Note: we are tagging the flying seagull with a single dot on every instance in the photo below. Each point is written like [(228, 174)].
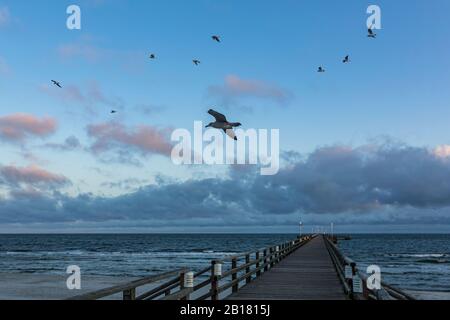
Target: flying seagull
[(321, 70), (346, 59), (371, 33), (222, 123), (152, 56), (113, 111), (216, 38), (196, 62), (56, 83)]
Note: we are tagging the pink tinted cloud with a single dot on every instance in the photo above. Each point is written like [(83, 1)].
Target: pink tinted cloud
[(20, 126), (145, 139), (234, 87), (30, 176)]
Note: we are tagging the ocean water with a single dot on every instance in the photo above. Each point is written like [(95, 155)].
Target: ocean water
[(417, 262)]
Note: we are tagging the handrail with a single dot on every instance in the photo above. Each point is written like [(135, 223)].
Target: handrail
[(126, 288), (264, 259), (340, 261)]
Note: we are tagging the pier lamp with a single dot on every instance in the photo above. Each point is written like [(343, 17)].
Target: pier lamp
[(301, 228)]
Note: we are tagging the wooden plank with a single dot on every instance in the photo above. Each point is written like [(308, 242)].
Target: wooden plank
[(307, 274)]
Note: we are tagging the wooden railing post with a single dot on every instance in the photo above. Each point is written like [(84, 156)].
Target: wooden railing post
[(235, 287), (258, 273), (214, 282), (182, 279), (271, 257), (248, 279), (266, 267), (129, 294)]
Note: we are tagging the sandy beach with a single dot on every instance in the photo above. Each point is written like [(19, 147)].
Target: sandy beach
[(51, 287)]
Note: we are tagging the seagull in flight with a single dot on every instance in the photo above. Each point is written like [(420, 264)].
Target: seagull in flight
[(152, 56), (113, 111), (321, 70), (216, 38), (196, 62), (371, 33), (346, 59), (56, 83), (222, 123)]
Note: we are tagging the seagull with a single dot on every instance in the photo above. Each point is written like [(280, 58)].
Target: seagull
[(56, 83), (152, 56), (196, 62), (321, 70), (113, 111), (216, 38), (371, 33), (346, 59), (222, 123)]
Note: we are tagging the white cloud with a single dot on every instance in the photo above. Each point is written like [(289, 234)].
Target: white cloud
[(442, 151)]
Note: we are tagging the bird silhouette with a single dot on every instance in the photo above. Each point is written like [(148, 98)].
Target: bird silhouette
[(346, 59), (222, 123), (371, 33), (321, 69), (196, 62), (216, 38), (113, 111), (152, 56), (56, 83)]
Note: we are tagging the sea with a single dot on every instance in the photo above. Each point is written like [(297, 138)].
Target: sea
[(415, 262)]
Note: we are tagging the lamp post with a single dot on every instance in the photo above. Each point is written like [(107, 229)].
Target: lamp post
[(301, 229)]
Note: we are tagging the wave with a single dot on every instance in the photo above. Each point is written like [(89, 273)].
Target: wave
[(433, 261), (418, 255)]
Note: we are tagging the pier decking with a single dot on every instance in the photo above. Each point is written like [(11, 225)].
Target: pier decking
[(308, 274)]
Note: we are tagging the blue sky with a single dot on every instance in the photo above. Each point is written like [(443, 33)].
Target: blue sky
[(389, 103)]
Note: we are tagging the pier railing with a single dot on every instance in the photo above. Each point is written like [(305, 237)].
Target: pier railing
[(348, 272), (222, 276)]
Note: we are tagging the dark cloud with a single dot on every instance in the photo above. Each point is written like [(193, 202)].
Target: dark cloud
[(372, 184)]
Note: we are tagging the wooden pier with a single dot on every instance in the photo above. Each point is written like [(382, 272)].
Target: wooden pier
[(307, 268), (308, 274)]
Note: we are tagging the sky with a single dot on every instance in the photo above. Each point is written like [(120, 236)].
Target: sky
[(365, 145)]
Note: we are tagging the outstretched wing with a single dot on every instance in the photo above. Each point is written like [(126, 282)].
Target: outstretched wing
[(219, 117), (230, 133)]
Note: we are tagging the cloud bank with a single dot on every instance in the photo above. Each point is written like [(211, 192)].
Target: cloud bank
[(373, 184)]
